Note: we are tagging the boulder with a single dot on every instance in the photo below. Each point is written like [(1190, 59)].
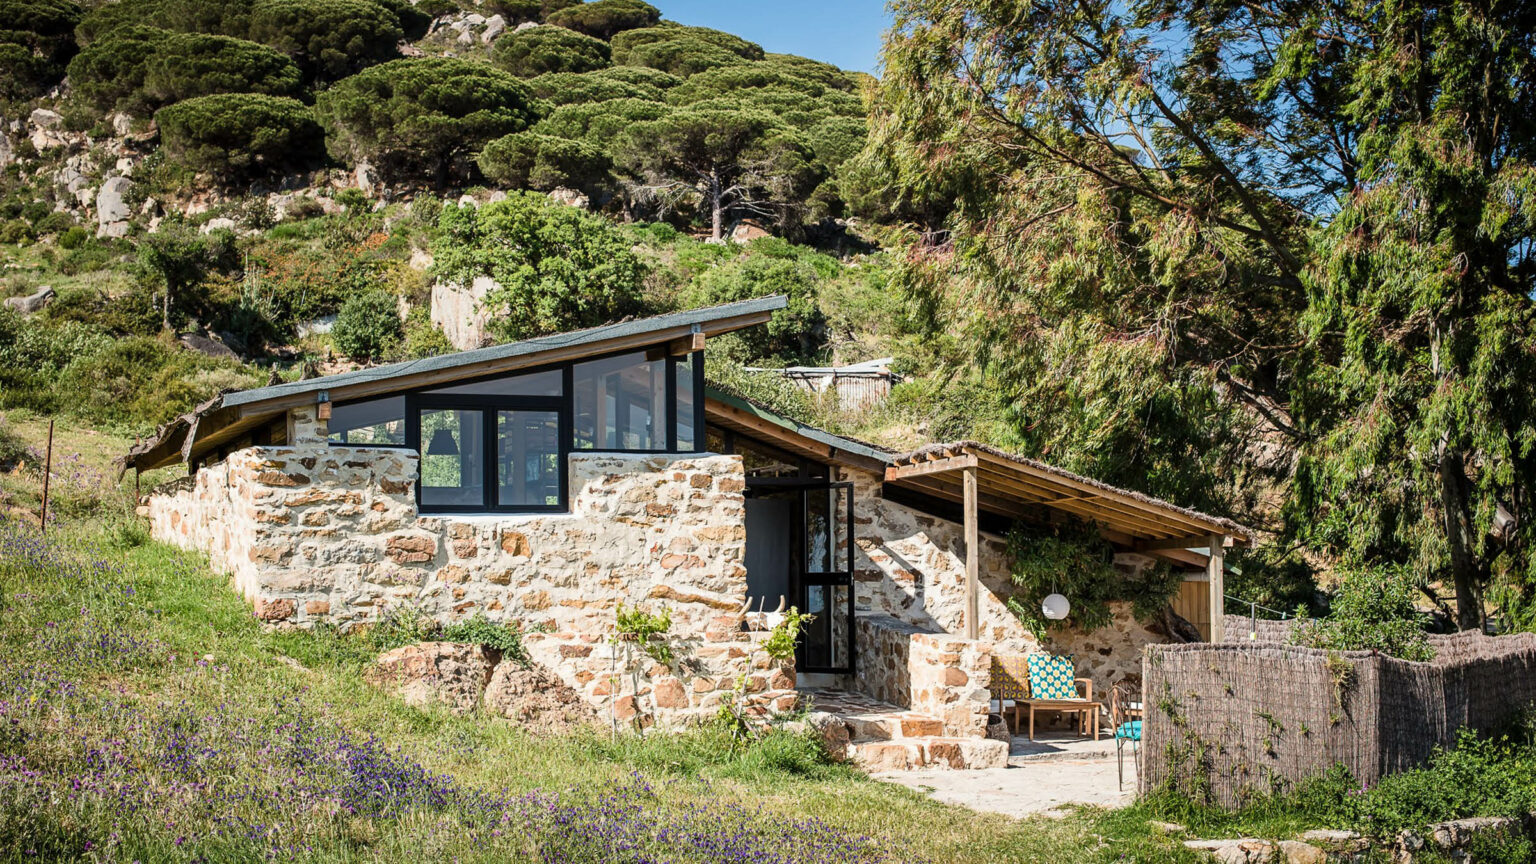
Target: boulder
[(206, 346), (367, 179), (220, 223), (832, 731), (569, 197), (535, 698), (114, 229), (122, 124), (434, 673), (1247, 850), (494, 26), (33, 302), (7, 149), (47, 129), (111, 208)]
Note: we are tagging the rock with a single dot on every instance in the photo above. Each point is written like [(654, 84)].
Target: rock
[(367, 179), (833, 733), (569, 197), (466, 37), (526, 25), (747, 230), (207, 347), (110, 206), (272, 611), (124, 166), (33, 302), (7, 149), (47, 127), (494, 26), (150, 207), (535, 698), (1297, 852), (42, 118), (428, 673), (1166, 827), (981, 753), (1450, 839), (468, 201), (114, 229), (219, 223), (474, 19), (122, 124), (1245, 851)]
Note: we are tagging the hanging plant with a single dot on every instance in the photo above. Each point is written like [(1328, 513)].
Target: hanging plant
[(1072, 559)]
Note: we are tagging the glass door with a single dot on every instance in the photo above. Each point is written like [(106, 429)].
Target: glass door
[(826, 581)]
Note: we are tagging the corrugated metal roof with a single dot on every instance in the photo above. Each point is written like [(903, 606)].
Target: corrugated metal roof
[(511, 349)]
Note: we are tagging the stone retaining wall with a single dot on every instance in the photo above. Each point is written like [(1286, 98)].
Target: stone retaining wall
[(937, 674)]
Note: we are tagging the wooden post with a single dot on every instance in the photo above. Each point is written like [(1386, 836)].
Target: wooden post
[(972, 556), (1215, 584), (47, 473)]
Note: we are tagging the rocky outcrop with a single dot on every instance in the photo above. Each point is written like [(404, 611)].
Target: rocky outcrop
[(431, 673), (536, 699), (459, 311), (33, 302), (112, 210)]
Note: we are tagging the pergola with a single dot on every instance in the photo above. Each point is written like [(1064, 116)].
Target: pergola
[(980, 477)]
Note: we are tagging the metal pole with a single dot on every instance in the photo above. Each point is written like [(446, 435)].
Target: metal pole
[(47, 473)]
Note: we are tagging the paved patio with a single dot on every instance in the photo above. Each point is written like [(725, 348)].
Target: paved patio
[(1042, 776)]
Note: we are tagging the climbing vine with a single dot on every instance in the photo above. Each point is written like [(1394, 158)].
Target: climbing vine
[(1073, 560)]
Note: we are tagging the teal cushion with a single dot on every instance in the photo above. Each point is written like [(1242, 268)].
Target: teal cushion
[(1130, 729), (1051, 677)]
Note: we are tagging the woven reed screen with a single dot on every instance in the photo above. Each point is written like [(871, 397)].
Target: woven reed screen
[(1226, 722)]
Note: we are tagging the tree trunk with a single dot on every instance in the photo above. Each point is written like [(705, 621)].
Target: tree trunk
[(165, 308), (717, 208), (1465, 571)]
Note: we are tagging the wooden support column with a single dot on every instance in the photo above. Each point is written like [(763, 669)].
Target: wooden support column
[(1215, 584), (972, 556)]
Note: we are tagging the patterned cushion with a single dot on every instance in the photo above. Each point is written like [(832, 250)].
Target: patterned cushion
[(1051, 677), (1010, 677)]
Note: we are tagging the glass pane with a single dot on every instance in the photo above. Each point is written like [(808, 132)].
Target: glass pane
[(826, 635), (452, 458), (528, 469), (620, 403), (546, 383), (378, 421), (685, 405), (818, 531), (837, 626), (842, 499)]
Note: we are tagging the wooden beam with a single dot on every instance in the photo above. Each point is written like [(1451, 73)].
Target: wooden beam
[(937, 466), (972, 557), (1173, 543), (686, 345), (1216, 570)]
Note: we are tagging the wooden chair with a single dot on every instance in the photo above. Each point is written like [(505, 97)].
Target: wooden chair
[(1125, 713), (1011, 680)]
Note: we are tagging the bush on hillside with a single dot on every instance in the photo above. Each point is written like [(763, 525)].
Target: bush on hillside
[(682, 51), (1372, 610), (416, 117), (603, 19), (569, 88), (188, 65), (559, 268), (528, 160), (518, 11), (231, 135), (368, 326), (538, 50), (793, 333), (329, 39), (36, 40), (109, 73), (598, 123)]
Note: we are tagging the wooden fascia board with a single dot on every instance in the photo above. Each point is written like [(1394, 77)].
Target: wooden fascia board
[(935, 466)]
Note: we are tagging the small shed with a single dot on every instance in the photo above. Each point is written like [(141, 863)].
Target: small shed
[(856, 387)]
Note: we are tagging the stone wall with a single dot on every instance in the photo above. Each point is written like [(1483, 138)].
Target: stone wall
[(312, 533), (937, 674)]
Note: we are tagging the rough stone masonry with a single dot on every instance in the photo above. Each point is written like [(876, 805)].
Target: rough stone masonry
[(317, 533)]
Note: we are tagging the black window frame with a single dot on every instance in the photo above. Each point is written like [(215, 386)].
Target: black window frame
[(420, 398)]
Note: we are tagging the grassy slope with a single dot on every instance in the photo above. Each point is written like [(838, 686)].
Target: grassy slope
[(152, 708)]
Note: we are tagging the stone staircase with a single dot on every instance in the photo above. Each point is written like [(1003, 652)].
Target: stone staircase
[(884, 737)]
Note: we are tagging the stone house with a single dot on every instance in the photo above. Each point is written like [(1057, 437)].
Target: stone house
[(549, 481)]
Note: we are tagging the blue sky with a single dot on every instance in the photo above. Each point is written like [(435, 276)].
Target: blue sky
[(844, 32)]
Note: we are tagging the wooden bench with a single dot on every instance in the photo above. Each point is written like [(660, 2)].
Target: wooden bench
[(1010, 681)]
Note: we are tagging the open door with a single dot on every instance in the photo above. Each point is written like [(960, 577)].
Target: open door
[(826, 579)]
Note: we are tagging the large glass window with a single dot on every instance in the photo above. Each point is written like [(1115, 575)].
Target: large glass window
[(528, 469), (620, 403), (452, 448), (687, 436), (377, 422)]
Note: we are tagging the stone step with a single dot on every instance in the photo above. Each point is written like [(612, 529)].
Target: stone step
[(906, 754), (891, 727)]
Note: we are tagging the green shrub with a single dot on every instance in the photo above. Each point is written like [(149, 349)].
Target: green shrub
[(109, 73), (603, 19), (682, 51), (238, 134), (16, 231), (74, 238), (414, 117), (1371, 610), (796, 332), (422, 337), (559, 268), (36, 40), (329, 39), (479, 630), (530, 161), (187, 65), (368, 326), (54, 222), (538, 50)]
